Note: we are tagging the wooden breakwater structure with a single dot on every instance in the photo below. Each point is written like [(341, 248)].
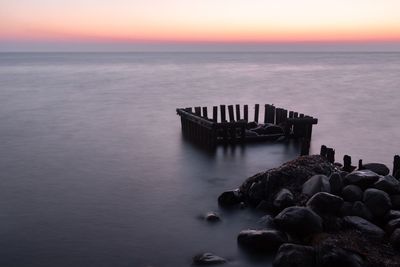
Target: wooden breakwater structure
[(329, 154), (234, 126)]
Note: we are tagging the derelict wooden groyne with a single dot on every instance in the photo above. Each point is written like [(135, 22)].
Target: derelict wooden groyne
[(231, 124)]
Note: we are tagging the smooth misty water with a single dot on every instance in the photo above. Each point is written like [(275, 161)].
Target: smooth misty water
[(94, 171)]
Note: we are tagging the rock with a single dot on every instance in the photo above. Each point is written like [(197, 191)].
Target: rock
[(378, 168), (229, 198), (377, 201), (261, 240), (391, 215), (299, 221), (212, 217), (291, 255), (352, 193), (347, 209), (267, 221), (317, 183), (257, 192), (360, 210), (323, 203), (263, 206), (392, 225), (250, 133), (395, 238), (336, 183), (273, 129), (362, 178), (331, 256), (283, 199), (389, 184), (395, 199), (252, 125), (208, 259), (364, 226)]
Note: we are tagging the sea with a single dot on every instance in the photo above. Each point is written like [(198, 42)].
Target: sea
[(94, 170)]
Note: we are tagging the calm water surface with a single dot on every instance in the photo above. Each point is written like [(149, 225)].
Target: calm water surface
[(94, 171)]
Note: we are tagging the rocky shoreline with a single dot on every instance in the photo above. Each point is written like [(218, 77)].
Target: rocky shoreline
[(318, 214)]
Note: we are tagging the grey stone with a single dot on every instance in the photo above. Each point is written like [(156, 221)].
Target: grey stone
[(352, 193), (364, 226), (362, 178), (360, 210), (212, 217), (291, 255), (317, 183), (261, 240), (229, 198), (336, 183), (391, 215), (299, 221), (323, 202), (283, 199), (378, 168), (388, 183), (392, 225), (377, 201), (208, 259)]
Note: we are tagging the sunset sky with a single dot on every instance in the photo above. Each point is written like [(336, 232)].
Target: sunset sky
[(134, 23)]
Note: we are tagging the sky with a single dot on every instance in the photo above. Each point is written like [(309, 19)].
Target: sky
[(199, 24)]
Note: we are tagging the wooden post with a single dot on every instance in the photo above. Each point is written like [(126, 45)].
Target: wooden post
[(278, 116), (256, 111), (266, 106), (360, 164), (223, 116), (396, 166), (231, 115), (215, 113), (284, 115), (197, 111), (271, 114), (323, 152), (330, 155), (205, 113), (305, 147), (237, 112), (188, 110), (246, 113), (291, 114), (347, 163)]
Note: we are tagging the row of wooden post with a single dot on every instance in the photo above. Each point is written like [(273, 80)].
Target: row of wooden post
[(329, 153)]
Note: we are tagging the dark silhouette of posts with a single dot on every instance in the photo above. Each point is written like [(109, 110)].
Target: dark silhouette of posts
[(205, 113), (347, 163), (231, 115), (360, 164), (305, 147), (396, 166), (256, 112), (246, 112), (323, 152), (330, 155), (215, 114), (197, 111), (237, 112), (223, 115)]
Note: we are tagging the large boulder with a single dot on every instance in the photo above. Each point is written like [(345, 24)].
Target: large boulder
[(365, 227), (230, 198), (352, 193), (391, 215), (208, 259), (261, 240), (360, 210), (377, 201), (389, 184), (378, 168), (392, 225), (362, 178), (395, 238), (317, 183), (323, 203), (336, 183), (347, 209), (291, 255), (332, 256), (299, 221), (283, 199)]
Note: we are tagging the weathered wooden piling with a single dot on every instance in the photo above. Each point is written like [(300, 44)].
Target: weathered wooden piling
[(256, 112), (215, 114), (231, 115), (347, 163), (396, 166), (330, 155), (360, 164), (246, 113), (197, 111), (223, 116), (205, 113), (305, 147), (237, 112)]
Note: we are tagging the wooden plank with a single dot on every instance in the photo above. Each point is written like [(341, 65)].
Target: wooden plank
[(205, 113), (271, 114), (215, 114), (266, 113), (197, 111), (246, 113), (223, 115), (231, 114), (256, 112), (237, 112), (396, 166)]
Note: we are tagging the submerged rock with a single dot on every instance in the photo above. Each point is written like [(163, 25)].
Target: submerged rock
[(364, 226), (377, 201), (212, 217), (317, 183), (378, 168), (208, 259), (261, 240), (291, 255), (299, 221), (323, 203)]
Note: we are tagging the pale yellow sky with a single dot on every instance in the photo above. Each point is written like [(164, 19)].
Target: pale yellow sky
[(200, 20)]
